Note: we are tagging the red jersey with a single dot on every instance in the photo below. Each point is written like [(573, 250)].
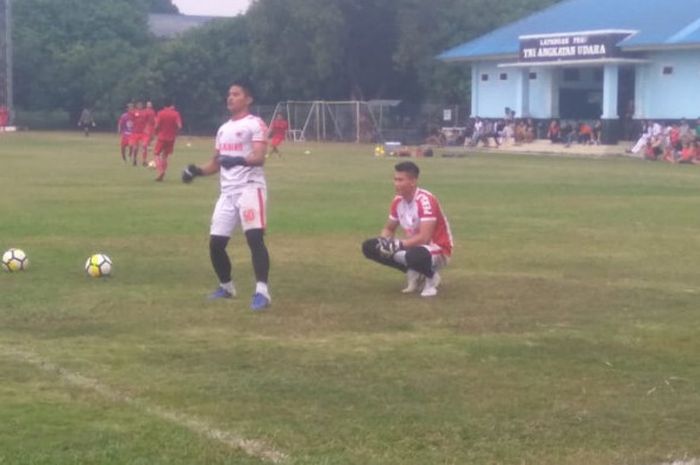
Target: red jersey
[(150, 119), (423, 207), (140, 118), (168, 123), (278, 129)]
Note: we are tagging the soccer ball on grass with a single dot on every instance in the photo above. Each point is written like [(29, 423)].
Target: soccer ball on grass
[(98, 265), (15, 260)]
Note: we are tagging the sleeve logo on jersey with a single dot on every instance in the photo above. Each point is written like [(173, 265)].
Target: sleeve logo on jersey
[(425, 203)]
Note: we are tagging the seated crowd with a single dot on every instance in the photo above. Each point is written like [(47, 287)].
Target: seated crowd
[(671, 142), (581, 132), (520, 131), (499, 131), (674, 142)]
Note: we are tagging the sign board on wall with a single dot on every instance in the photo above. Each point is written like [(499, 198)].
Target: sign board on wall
[(571, 46)]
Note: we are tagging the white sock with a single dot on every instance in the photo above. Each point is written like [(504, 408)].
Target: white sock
[(261, 288), (228, 287)]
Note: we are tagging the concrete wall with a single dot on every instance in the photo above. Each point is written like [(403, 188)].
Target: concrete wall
[(668, 96), (490, 97), (657, 95)]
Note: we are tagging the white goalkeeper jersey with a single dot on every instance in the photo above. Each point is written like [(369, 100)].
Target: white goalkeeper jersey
[(424, 206), (235, 139)]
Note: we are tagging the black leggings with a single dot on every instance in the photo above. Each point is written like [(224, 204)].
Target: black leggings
[(260, 257), (417, 258)]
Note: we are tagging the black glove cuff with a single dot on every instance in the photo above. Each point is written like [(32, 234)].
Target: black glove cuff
[(195, 170)]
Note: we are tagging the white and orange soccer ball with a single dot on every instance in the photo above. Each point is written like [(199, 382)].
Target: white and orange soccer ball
[(15, 260), (98, 265)]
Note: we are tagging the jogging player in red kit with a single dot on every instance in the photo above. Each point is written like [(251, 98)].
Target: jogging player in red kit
[(149, 131), (278, 132), (168, 124), (138, 137), (124, 127)]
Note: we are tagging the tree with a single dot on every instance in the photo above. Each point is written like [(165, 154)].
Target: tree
[(69, 53), (296, 47), (162, 6)]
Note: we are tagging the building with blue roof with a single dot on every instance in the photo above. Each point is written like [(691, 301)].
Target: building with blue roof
[(617, 60)]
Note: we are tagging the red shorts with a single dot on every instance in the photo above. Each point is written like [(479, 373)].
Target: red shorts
[(277, 140), (125, 140), (164, 147), (138, 138)]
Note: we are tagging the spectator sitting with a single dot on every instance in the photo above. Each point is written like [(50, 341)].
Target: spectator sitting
[(689, 154), (674, 140), (585, 133), (489, 132), (649, 130), (436, 138), (508, 133), (687, 134), (654, 148), (529, 130), (554, 132), (451, 137), (477, 130), (568, 135), (520, 132), (597, 131)]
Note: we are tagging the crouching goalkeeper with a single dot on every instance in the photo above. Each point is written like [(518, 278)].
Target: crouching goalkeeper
[(427, 242)]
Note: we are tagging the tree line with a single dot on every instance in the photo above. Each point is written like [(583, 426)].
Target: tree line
[(70, 54)]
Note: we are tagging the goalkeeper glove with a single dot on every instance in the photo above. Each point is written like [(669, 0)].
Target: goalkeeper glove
[(189, 173), (227, 162), (388, 246)]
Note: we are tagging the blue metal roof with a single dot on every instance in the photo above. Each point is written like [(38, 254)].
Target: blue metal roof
[(660, 23)]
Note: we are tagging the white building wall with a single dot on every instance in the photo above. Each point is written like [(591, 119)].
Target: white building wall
[(669, 96), (495, 93), (657, 95)]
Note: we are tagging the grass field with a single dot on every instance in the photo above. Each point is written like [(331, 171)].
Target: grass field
[(566, 331)]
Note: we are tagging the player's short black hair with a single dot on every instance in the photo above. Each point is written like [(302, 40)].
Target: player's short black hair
[(246, 85), (407, 167)]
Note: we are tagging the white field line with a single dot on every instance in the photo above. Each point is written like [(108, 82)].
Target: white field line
[(252, 447), (683, 462)]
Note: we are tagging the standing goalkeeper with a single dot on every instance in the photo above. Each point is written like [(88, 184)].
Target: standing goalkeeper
[(241, 144), (427, 242)]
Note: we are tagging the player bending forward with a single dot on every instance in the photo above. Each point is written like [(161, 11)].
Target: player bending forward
[(241, 144), (427, 243)]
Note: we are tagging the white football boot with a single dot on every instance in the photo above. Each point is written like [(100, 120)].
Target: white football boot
[(431, 285)]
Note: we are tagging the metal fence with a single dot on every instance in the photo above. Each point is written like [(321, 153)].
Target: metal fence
[(364, 122)]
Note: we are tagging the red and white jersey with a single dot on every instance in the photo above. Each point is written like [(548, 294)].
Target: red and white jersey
[(423, 207), (235, 138)]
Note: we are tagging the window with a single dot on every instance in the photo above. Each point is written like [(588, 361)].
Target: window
[(503, 76), (533, 76), (484, 77), (572, 75), (667, 70)]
